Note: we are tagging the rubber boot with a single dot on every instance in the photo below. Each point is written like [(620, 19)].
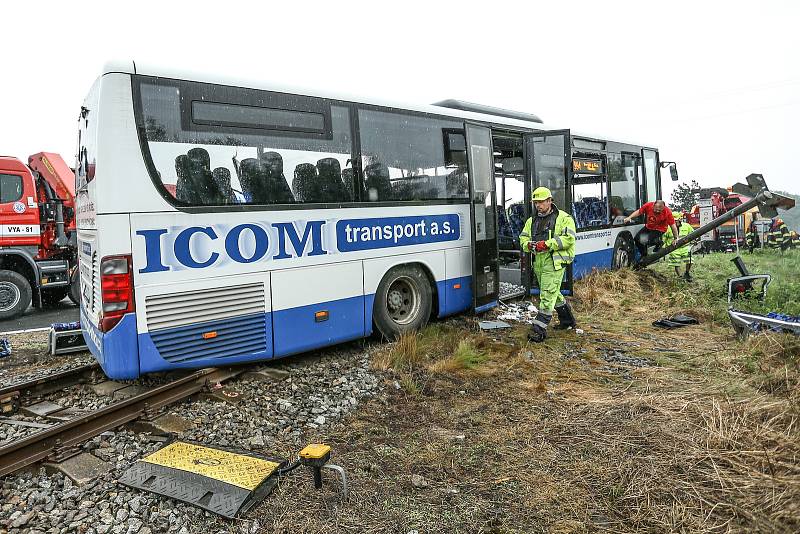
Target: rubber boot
[(538, 331), (565, 317)]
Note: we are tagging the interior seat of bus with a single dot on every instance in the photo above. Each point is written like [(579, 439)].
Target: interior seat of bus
[(331, 186), (589, 211), (195, 182), (263, 181), (222, 177), (377, 183)]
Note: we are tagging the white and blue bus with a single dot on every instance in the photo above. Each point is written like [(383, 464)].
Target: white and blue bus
[(224, 221)]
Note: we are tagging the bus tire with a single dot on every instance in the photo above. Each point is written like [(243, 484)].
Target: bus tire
[(75, 288), (51, 297), (623, 253), (15, 294), (403, 301)]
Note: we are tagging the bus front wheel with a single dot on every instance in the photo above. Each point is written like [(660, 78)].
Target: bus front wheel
[(623, 253), (403, 301)]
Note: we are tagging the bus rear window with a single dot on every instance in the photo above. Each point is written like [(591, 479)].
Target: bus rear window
[(215, 145)]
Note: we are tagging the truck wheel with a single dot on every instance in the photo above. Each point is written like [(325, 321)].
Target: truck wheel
[(623, 253), (75, 288), (15, 294), (403, 301), (51, 297)]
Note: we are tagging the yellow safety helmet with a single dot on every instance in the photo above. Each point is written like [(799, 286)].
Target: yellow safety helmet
[(541, 193)]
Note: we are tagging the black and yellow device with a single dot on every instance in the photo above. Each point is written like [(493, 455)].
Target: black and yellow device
[(223, 481), (315, 456)]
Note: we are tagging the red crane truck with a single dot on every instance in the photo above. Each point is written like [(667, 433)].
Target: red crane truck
[(38, 252)]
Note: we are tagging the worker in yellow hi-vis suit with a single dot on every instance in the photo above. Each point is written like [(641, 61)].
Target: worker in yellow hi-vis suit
[(550, 236), (682, 255)]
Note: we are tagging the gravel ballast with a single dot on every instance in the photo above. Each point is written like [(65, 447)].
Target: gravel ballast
[(274, 416)]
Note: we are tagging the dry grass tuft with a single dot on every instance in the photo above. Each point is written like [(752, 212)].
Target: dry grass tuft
[(401, 356), (465, 356)]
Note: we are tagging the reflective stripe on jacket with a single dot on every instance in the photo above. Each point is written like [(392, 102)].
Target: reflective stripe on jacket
[(562, 241)]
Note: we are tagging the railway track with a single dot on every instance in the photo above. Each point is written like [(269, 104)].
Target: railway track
[(12, 397), (63, 440)]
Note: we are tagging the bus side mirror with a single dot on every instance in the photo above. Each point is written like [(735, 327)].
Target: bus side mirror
[(673, 169)]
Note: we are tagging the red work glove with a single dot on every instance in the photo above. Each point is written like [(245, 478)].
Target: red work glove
[(541, 246)]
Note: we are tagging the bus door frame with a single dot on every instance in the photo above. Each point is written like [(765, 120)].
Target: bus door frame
[(531, 183), (483, 230)]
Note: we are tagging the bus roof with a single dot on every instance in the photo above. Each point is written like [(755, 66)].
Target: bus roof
[(131, 67)]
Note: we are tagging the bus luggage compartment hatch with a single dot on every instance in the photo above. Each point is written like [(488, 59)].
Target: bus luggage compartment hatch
[(223, 481)]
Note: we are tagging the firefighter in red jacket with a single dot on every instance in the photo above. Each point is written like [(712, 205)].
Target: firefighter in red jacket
[(658, 218)]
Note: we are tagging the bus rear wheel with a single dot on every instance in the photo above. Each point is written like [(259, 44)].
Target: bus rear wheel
[(403, 301), (623, 253), (15, 294)]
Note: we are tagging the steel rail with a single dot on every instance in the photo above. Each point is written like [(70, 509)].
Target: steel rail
[(48, 383), (58, 440)]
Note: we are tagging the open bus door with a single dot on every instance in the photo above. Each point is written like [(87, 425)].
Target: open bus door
[(483, 211), (547, 164)]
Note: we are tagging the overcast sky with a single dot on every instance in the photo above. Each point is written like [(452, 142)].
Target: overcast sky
[(714, 85)]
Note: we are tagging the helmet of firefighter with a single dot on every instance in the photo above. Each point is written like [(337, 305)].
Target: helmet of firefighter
[(541, 193)]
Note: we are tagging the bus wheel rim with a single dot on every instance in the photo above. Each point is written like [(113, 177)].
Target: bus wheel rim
[(403, 300), (9, 296), (622, 257)]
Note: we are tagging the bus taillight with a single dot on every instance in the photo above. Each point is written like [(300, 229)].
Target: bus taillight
[(116, 282)]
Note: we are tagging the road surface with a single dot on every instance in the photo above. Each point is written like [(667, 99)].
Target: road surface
[(64, 312)]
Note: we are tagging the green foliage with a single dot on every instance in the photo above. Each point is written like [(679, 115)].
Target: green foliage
[(683, 196)]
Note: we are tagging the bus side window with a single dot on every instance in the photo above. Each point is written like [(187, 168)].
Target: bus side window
[(622, 178), (407, 157), (589, 205), (651, 175)]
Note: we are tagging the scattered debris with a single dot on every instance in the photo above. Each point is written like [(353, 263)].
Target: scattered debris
[(493, 325), (619, 357), (66, 337), (742, 285), (5, 347), (676, 321), (508, 290), (745, 322), (520, 312)]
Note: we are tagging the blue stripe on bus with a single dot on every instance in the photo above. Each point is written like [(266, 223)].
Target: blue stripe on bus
[(584, 263), (454, 300), (151, 359), (296, 330)]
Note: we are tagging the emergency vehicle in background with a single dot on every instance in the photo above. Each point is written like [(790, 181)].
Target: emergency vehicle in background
[(38, 255), (713, 203)]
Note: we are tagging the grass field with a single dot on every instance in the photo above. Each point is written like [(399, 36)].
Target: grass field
[(711, 272), (624, 428)]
